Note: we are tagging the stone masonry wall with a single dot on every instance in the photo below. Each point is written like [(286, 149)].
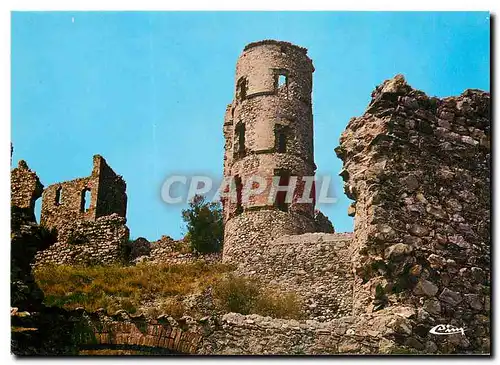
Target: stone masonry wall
[(235, 334), (268, 131), (111, 196), (316, 266), (259, 228), (88, 242), (418, 169), (63, 203), (26, 187), (378, 333)]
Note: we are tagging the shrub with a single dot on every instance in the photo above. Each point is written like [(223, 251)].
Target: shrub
[(236, 294), (279, 305), (204, 225), (248, 296)]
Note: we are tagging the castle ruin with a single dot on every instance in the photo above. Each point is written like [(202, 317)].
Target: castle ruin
[(268, 131), (66, 202), (87, 214), (418, 171)]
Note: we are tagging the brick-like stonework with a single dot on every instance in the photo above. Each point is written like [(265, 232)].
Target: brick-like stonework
[(418, 169)]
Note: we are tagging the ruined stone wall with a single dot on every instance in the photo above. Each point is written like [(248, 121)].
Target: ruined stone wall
[(63, 203), (379, 333), (26, 188), (235, 334), (418, 169), (268, 130), (168, 251), (316, 266), (323, 224), (88, 243), (93, 235), (111, 196)]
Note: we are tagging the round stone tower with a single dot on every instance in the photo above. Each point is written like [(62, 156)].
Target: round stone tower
[(268, 132)]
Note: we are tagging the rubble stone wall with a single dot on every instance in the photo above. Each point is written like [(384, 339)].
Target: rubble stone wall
[(63, 203), (237, 334), (377, 333), (26, 187), (316, 266), (167, 251), (88, 243), (418, 169), (259, 228), (268, 130)]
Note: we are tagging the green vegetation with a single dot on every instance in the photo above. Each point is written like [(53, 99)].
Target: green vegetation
[(248, 296), (204, 225), (161, 289)]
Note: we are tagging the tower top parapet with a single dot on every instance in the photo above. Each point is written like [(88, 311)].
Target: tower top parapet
[(274, 42)]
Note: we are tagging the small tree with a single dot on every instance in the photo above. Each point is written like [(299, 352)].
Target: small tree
[(204, 225)]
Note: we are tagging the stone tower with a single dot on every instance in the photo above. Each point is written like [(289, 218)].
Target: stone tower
[(268, 132)]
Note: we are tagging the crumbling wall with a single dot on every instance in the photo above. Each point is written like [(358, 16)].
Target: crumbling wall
[(63, 203), (102, 241), (111, 196), (377, 333), (323, 224), (26, 188), (418, 169), (93, 235), (166, 250)]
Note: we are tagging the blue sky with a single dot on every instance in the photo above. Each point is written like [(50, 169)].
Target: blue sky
[(148, 90)]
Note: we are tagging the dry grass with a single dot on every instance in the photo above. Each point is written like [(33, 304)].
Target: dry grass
[(121, 287), (135, 288), (249, 296)]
